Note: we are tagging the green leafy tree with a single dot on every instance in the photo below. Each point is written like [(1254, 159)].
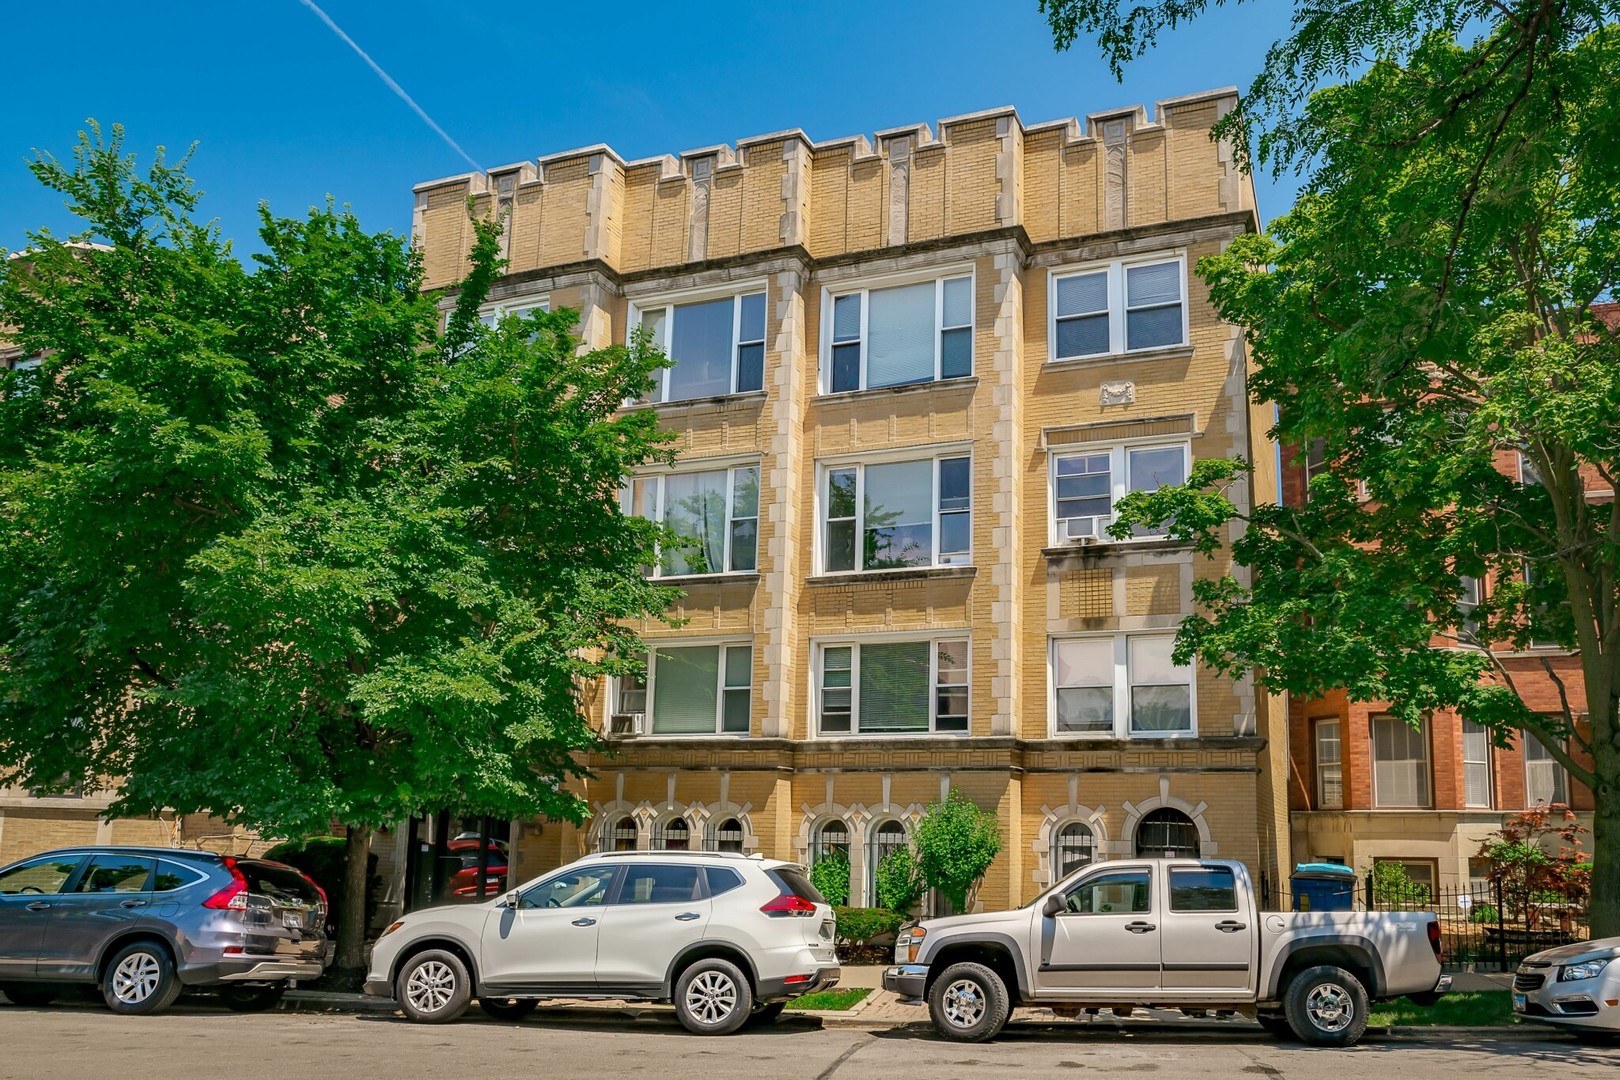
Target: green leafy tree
[(1536, 858), (278, 548), (830, 876), (1424, 314), (956, 843), (900, 881), (1393, 887)]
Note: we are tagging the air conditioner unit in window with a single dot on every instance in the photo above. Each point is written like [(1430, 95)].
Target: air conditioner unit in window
[(625, 725), (1079, 530)]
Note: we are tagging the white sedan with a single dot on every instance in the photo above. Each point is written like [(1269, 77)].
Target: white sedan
[(1573, 986)]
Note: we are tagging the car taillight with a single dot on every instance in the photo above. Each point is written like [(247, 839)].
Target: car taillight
[(324, 904), (232, 897), (789, 906), (1434, 939)]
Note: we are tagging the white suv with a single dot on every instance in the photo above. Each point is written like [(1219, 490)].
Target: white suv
[(727, 938)]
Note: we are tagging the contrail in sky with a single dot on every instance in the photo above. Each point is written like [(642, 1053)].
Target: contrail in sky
[(392, 85)]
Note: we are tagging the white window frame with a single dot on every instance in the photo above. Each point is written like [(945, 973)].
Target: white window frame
[(1337, 764), (1118, 481), (1425, 738), (1122, 690), (1490, 779), (862, 287), (667, 302), (650, 680), (859, 464), (491, 314), (818, 649), (1549, 764), (730, 468), (1117, 311)]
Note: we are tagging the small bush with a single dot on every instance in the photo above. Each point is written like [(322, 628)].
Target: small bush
[(858, 925), (956, 843), (1483, 913), (899, 881), (1393, 887), (830, 876)]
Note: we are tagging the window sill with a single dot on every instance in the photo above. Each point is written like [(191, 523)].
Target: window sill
[(1134, 737), (1169, 352), (912, 573), (658, 737), (967, 385), (1115, 547), (721, 403), (686, 580), (887, 736)]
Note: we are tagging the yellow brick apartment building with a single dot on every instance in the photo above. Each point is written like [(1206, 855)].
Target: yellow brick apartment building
[(912, 375)]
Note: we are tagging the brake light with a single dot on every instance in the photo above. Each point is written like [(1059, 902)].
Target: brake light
[(325, 906), (789, 906), (1434, 940), (232, 897)]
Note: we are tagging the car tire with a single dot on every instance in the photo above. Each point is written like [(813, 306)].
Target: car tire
[(512, 1009), (251, 999), (1326, 1006), (139, 979), (29, 995), (767, 1014), (968, 1003), (433, 987), (712, 997), (1276, 1026)]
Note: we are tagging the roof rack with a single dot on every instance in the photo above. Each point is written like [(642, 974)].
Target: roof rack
[(667, 854)]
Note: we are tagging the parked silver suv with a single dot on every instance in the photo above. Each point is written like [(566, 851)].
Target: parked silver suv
[(143, 922), (728, 939)]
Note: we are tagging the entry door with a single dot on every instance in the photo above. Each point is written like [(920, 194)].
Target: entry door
[(1107, 936), (1209, 938), (662, 908), (111, 896), (30, 894), (549, 941)]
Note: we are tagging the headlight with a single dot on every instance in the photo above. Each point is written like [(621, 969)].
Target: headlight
[(907, 944), (1586, 969)]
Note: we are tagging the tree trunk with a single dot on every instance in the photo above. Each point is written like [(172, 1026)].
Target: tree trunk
[(1605, 913), (350, 963)]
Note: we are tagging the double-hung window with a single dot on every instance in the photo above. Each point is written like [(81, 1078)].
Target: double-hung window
[(1545, 781), (693, 690), (1118, 307), (892, 687), (1400, 763), (1120, 686), (903, 334), (714, 515), (1087, 483), (717, 347), (1476, 747), (896, 514), (1329, 766), (491, 314)]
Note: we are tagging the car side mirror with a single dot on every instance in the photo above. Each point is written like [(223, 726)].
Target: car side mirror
[(1053, 905), (512, 899)]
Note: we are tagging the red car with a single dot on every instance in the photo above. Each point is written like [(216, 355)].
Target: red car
[(462, 885)]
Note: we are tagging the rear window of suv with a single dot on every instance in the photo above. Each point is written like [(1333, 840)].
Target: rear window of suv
[(792, 882), (282, 884)]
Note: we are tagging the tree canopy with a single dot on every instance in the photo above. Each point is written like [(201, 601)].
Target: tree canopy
[(280, 549)]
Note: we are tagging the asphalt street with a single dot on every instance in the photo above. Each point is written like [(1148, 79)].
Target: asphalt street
[(198, 1044)]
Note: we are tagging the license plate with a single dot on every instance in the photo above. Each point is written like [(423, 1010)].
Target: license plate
[(1518, 1003), (293, 920)]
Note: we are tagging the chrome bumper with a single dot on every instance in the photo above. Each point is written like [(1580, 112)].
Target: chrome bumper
[(908, 981), (276, 970)]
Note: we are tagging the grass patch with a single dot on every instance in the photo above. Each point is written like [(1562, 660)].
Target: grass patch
[(830, 1000), (1487, 1008)]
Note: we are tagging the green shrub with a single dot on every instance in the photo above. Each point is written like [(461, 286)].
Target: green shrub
[(830, 876), (859, 925), (324, 858), (1393, 887), (956, 843), (1483, 913), (899, 881)]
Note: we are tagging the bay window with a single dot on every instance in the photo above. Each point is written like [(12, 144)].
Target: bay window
[(892, 687), (900, 335), (897, 514), (1118, 307), (692, 690), (1120, 686), (1088, 483), (717, 347), (714, 515)]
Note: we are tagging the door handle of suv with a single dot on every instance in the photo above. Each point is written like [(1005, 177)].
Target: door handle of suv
[(39, 905), (584, 922), (687, 916), (1230, 926), (1140, 927), (132, 903)]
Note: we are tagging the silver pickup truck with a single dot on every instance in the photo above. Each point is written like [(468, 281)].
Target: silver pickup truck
[(1166, 933)]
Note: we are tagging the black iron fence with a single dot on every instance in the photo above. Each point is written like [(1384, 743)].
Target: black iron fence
[(1484, 926)]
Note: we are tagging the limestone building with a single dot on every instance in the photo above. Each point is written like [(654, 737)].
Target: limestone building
[(913, 373)]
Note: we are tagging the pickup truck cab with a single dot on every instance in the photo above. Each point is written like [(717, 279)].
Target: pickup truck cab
[(1167, 933)]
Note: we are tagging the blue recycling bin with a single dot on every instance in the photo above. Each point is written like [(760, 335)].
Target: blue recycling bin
[(1323, 887)]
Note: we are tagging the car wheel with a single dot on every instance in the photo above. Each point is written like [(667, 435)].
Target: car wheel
[(433, 987), (507, 1008), (767, 1014), (140, 979), (1326, 1006), (1276, 1026), (246, 999), (24, 994), (968, 1003), (712, 997)]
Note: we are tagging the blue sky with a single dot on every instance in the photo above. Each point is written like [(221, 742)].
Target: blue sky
[(285, 112)]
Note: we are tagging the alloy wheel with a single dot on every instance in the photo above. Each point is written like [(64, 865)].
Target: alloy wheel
[(1330, 1007), (430, 986), (711, 997), (136, 978), (964, 1003)]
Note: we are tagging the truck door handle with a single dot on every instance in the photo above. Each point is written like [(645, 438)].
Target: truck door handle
[(584, 922), (1140, 927), (39, 905), (1230, 926), (687, 916), (132, 903)]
